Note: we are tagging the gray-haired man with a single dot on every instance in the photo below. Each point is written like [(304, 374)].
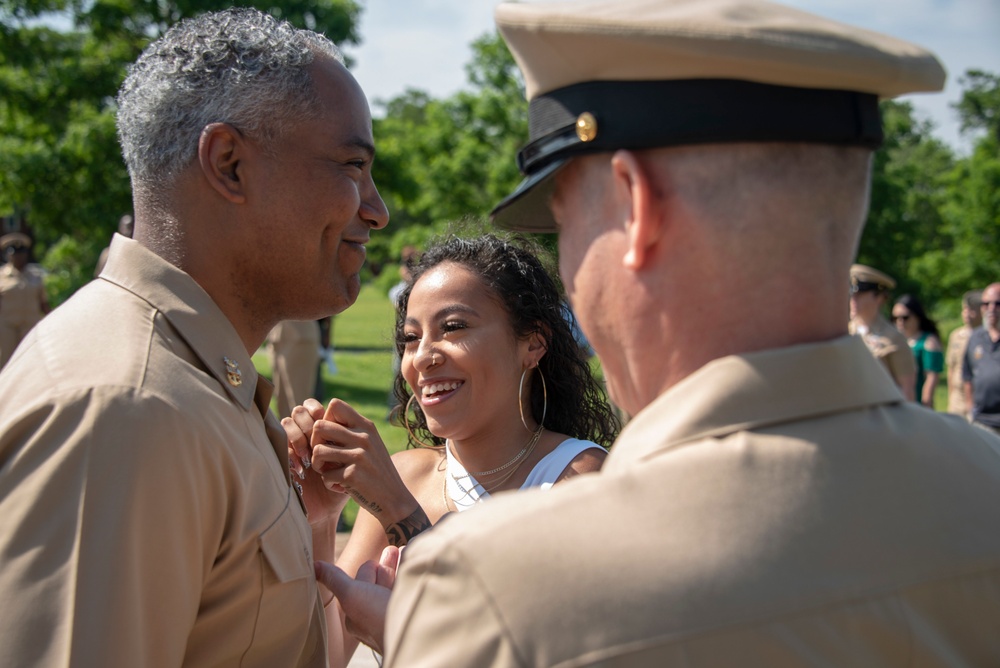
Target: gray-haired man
[(148, 518)]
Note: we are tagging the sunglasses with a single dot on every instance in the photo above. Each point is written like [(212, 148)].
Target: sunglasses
[(902, 317)]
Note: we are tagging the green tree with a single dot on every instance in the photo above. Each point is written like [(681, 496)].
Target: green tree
[(441, 161), (968, 253), (979, 108), (61, 64), (907, 180), (934, 222)]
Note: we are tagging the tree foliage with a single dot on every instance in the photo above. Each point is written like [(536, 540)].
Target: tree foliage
[(979, 108), (907, 176), (61, 63), (934, 219), (442, 161)]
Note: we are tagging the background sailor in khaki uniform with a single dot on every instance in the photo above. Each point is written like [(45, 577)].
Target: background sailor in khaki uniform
[(294, 347), (23, 301), (774, 500), (869, 294), (972, 318), (147, 517)]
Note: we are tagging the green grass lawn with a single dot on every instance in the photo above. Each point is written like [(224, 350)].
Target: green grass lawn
[(941, 394), (362, 343)]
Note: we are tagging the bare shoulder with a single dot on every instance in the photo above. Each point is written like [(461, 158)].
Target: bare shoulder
[(933, 343), (589, 461), (417, 463)]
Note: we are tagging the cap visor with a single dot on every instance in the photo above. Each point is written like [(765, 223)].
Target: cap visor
[(527, 208)]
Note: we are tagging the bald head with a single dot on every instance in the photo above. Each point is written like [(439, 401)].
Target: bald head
[(773, 196), (706, 251)]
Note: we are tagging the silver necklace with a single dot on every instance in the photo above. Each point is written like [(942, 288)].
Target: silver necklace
[(503, 467), (518, 460)]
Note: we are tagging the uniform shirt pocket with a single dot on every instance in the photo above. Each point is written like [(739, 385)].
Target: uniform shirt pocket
[(288, 594), (284, 549)]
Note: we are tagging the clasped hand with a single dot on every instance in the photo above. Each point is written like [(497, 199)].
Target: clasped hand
[(340, 451)]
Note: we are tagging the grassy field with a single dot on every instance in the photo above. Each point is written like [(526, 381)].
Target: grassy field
[(362, 342)]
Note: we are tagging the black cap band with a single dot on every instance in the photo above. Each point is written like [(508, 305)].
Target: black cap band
[(646, 114), (867, 286)]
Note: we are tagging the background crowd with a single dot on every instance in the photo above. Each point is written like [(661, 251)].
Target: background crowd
[(911, 349)]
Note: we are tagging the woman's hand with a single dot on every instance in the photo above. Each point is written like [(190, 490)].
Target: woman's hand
[(347, 451), (323, 504)]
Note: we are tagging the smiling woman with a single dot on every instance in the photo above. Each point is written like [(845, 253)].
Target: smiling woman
[(499, 396)]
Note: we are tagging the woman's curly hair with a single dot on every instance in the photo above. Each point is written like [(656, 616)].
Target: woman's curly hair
[(510, 267)]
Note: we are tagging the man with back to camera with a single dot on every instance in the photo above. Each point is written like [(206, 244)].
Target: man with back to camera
[(958, 340), (981, 367), (774, 501), (148, 518)]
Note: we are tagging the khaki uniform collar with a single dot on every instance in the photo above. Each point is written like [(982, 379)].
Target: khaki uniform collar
[(755, 391), (193, 313)]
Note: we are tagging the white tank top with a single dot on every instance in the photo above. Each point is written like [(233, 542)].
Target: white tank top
[(465, 491)]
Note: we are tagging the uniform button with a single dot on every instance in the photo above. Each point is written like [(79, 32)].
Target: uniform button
[(586, 126)]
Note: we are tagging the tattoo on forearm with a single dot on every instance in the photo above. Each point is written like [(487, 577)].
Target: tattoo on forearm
[(372, 507), (403, 531)]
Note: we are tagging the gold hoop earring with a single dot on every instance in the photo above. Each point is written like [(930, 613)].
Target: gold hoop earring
[(406, 423), (545, 399)]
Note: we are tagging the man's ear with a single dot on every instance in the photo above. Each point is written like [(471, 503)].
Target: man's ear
[(221, 148), (636, 195)]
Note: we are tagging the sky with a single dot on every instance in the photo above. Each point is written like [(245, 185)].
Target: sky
[(424, 44)]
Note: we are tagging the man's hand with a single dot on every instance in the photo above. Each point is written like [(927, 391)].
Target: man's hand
[(324, 504), (365, 598), (299, 429)]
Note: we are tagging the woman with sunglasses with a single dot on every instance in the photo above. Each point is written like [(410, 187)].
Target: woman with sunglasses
[(922, 334), (498, 395)]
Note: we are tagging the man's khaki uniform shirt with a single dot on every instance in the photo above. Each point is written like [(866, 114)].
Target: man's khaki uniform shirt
[(957, 342), (888, 345), (146, 516), (780, 508)]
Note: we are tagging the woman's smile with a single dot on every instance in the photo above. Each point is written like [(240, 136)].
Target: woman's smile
[(438, 391)]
